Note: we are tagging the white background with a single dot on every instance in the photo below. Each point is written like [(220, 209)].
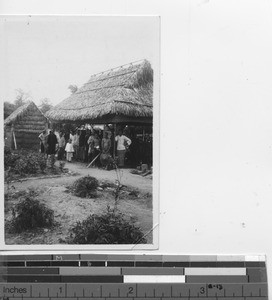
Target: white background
[(216, 119)]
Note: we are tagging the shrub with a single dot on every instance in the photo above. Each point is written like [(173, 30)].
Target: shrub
[(25, 162), (61, 166), (85, 187), (29, 213), (108, 228)]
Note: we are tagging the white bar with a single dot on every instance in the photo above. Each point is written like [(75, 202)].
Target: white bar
[(154, 279), (215, 271), (255, 258)]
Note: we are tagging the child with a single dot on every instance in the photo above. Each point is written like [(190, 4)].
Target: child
[(69, 150)]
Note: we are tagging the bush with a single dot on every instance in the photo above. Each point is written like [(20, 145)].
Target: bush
[(29, 213), (108, 228), (85, 187), (25, 162)]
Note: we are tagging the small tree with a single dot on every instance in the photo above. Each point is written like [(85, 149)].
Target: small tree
[(9, 108), (45, 105), (73, 88), (21, 98)]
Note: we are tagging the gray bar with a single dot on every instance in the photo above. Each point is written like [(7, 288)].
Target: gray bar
[(3, 270), (33, 298), (31, 271), (70, 271), (152, 271), (11, 257), (216, 279), (257, 274), (94, 257), (88, 298), (38, 257), (204, 258), (180, 258), (61, 257), (148, 257), (255, 298), (120, 257)]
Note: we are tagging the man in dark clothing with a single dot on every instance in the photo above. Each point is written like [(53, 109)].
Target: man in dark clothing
[(51, 143), (82, 144)]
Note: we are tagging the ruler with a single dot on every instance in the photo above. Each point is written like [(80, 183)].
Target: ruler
[(96, 276)]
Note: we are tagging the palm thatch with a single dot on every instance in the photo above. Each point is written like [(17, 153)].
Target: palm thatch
[(24, 126), (125, 91), (27, 111)]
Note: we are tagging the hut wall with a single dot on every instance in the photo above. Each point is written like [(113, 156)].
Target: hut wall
[(8, 136), (28, 128)]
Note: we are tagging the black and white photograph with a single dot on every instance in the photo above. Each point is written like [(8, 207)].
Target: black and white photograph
[(80, 127)]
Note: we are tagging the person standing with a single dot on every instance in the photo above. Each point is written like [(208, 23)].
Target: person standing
[(69, 150), (51, 143), (75, 142), (81, 144), (94, 148), (42, 138), (105, 149), (61, 146), (122, 143)]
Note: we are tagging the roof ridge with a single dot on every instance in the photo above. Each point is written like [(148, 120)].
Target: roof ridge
[(119, 67)]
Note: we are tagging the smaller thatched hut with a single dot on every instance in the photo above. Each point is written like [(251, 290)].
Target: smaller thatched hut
[(23, 127)]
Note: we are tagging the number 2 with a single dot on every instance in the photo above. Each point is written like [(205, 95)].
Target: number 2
[(130, 290)]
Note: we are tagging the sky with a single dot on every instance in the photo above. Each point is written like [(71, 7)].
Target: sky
[(43, 55)]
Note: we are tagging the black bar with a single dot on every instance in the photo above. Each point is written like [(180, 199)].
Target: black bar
[(27, 278), (29, 271), (202, 264), (120, 264), (148, 264), (180, 264), (38, 263), (93, 279), (230, 264), (63, 263), (255, 264), (92, 264), (14, 263)]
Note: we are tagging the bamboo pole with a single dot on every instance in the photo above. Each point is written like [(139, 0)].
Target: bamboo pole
[(14, 138), (114, 143), (93, 160)]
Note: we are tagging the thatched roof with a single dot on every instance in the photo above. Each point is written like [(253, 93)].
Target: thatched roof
[(21, 112), (124, 91)]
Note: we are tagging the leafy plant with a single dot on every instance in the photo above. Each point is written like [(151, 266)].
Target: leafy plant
[(52, 161), (61, 166), (108, 228), (24, 162), (85, 187), (29, 213)]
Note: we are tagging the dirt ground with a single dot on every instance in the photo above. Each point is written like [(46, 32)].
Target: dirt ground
[(135, 202)]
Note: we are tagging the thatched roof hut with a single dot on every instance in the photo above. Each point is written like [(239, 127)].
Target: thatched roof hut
[(120, 95), (23, 126)]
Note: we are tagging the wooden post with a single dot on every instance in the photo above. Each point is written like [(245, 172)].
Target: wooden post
[(114, 143)]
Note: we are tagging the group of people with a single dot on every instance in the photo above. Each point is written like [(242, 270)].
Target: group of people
[(85, 146)]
